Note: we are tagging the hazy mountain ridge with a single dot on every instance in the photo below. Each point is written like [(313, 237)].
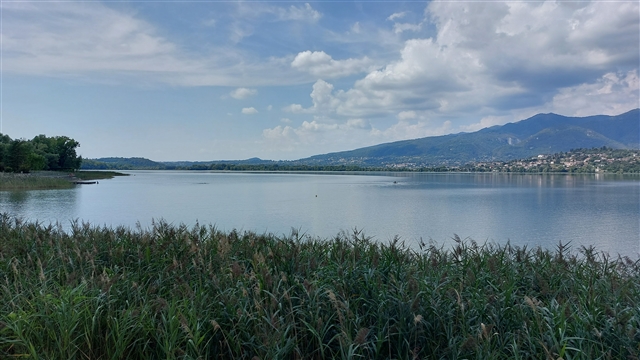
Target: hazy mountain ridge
[(540, 134)]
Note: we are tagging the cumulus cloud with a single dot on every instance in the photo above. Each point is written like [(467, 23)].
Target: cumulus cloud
[(320, 64), (242, 93), (249, 111), (500, 59), (294, 108), (323, 98)]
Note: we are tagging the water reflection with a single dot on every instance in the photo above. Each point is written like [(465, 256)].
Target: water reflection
[(523, 209), (48, 206)]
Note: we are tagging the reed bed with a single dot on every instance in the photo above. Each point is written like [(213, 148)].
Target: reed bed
[(96, 175), (12, 182), (178, 292)]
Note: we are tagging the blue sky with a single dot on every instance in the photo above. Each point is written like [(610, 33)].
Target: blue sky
[(214, 80)]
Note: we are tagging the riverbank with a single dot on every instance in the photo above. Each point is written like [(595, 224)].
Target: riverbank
[(42, 180), (177, 292)]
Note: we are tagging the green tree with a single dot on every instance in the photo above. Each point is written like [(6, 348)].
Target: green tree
[(18, 156), (59, 152), (36, 161), (66, 149), (5, 141)]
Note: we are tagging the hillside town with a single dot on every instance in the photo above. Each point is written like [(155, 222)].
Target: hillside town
[(596, 160)]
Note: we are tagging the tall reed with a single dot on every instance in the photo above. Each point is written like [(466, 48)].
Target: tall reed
[(178, 292), (14, 182)]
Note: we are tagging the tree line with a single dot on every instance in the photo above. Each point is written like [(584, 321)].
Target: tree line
[(57, 153)]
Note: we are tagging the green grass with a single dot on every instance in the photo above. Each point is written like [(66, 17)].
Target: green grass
[(173, 292)]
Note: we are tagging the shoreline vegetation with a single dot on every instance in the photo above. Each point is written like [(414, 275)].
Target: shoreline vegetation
[(43, 163), (175, 292), (43, 180)]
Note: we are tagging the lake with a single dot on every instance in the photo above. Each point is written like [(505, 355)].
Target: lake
[(532, 210)]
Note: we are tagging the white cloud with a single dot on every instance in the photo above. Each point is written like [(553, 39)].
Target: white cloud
[(249, 111), (304, 13), (294, 108), (318, 135), (323, 99), (398, 15), (411, 130), (404, 115), (269, 107), (399, 28), (500, 59), (242, 93), (322, 135), (612, 94), (320, 64), (101, 44), (72, 38)]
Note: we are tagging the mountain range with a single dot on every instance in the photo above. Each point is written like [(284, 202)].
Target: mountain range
[(540, 134)]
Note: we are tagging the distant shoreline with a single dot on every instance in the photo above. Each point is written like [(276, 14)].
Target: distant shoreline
[(594, 161)]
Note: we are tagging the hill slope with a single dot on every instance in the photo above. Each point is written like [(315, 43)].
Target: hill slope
[(540, 134)]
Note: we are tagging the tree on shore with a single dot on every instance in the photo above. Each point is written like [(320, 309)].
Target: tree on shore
[(41, 153)]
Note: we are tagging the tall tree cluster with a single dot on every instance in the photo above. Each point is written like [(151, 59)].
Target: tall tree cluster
[(40, 153)]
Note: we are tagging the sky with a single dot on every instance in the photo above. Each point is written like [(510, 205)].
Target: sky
[(284, 80)]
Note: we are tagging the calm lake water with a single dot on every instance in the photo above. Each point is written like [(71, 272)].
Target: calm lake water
[(525, 209)]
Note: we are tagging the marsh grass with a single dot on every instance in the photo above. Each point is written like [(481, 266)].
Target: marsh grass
[(9, 181), (42, 180), (96, 175), (173, 292)]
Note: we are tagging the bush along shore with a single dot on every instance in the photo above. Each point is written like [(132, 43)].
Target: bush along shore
[(178, 292)]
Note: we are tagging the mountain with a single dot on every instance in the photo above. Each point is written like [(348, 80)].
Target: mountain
[(540, 134)]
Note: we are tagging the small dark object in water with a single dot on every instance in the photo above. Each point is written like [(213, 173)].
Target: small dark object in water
[(85, 182), (395, 182)]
